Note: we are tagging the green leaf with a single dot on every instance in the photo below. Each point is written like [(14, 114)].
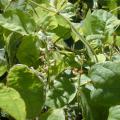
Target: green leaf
[(114, 113), (62, 26), (101, 58), (69, 10), (98, 25), (46, 20), (59, 4), (12, 103), (29, 51), (14, 4), (111, 21), (63, 91), (62, 22), (17, 21), (3, 3), (102, 74), (3, 62), (104, 93), (56, 114), (93, 25), (65, 34), (106, 80), (30, 86), (84, 100), (91, 111), (12, 42)]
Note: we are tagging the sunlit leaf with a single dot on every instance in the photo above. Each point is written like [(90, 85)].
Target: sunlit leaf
[(17, 21), (30, 86), (12, 103), (105, 77), (114, 113), (56, 114), (29, 51)]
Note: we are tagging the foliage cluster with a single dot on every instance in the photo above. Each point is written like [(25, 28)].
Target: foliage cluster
[(60, 59)]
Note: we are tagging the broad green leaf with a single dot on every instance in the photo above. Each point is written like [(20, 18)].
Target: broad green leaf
[(46, 20), (111, 21), (114, 113), (12, 103), (60, 36), (64, 7), (101, 58), (3, 62), (106, 80), (11, 4), (29, 51), (12, 41), (63, 91), (17, 21), (52, 23), (58, 4), (56, 114), (30, 86), (93, 25), (91, 111), (69, 11), (62, 22), (84, 100), (3, 3), (62, 26), (98, 25), (105, 74)]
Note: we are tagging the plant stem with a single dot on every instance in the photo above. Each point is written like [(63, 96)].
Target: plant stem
[(118, 8), (78, 92)]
